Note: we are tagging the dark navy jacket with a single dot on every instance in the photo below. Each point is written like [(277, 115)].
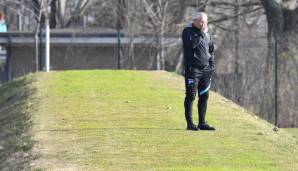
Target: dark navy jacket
[(198, 49)]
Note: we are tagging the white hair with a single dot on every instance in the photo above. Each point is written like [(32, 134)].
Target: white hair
[(198, 15)]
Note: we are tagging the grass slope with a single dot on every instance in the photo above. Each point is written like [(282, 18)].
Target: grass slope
[(293, 131), (127, 120)]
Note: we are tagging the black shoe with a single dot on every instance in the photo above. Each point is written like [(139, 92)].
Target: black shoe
[(206, 127), (192, 127)]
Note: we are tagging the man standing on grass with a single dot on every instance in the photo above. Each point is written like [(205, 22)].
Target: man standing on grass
[(199, 66), (3, 26)]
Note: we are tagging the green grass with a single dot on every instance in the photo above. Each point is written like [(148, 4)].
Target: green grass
[(293, 131), (128, 120)]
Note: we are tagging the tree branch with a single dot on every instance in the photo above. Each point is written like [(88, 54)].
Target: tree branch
[(214, 3), (234, 16)]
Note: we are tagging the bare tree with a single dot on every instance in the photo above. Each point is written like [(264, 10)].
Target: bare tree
[(282, 17), (158, 17)]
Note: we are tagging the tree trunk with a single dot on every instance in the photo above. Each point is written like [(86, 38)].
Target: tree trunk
[(53, 14), (282, 22), (37, 7)]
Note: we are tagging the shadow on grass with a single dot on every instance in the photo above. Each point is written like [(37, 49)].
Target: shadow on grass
[(120, 128), (16, 141)]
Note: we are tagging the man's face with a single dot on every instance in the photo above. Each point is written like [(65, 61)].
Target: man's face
[(201, 22)]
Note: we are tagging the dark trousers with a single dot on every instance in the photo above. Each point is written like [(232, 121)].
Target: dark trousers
[(197, 81)]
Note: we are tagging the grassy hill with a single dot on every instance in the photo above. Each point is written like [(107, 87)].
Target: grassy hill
[(127, 120), (293, 131)]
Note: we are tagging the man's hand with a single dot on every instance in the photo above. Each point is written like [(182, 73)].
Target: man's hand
[(205, 28)]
